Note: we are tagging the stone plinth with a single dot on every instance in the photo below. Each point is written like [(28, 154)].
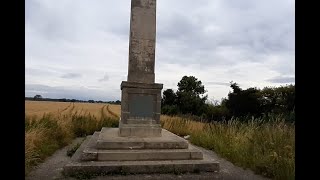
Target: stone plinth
[(140, 109)]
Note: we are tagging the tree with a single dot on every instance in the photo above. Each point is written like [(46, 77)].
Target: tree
[(190, 96), (169, 97), (37, 97), (169, 102), (216, 112), (243, 102), (278, 100), (235, 87), (191, 84)]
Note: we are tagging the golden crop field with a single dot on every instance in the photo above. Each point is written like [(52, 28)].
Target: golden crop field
[(52, 125), (39, 108)]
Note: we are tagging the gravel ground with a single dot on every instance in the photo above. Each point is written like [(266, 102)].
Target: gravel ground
[(52, 168)]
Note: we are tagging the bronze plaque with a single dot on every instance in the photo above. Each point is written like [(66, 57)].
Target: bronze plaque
[(141, 106)]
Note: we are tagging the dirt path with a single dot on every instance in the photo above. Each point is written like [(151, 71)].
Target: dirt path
[(52, 168)]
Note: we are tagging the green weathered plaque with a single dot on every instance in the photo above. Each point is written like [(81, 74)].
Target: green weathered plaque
[(141, 106)]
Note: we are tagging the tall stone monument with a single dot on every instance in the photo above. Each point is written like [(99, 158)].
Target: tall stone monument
[(139, 145), (141, 96)]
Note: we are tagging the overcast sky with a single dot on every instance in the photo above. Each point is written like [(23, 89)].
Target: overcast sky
[(79, 48)]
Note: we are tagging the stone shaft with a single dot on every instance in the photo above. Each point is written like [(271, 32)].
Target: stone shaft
[(141, 96), (142, 41)]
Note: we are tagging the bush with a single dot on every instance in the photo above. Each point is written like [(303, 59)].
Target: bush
[(169, 109)]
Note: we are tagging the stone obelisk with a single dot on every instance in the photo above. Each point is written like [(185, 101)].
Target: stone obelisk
[(139, 145), (141, 96)]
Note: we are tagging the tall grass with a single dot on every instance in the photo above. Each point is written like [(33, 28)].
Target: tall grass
[(264, 145), (44, 135)]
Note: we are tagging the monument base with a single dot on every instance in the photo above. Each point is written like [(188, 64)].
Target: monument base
[(107, 153), (139, 130), (109, 139), (140, 109)]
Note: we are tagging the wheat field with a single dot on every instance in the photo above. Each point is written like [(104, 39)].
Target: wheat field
[(265, 146), (52, 125), (39, 108)]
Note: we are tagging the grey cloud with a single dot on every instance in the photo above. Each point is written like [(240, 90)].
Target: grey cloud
[(37, 71), (282, 80), (219, 34), (245, 32), (83, 93), (179, 27), (71, 75), (73, 21), (217, 83)]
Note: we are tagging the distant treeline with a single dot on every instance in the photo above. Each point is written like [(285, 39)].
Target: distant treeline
[(190, 100), (40, 98)]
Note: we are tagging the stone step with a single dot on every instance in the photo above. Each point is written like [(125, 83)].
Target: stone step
[(139, 167), (91, 153), (141, 155), (109, 139), (79, 167)]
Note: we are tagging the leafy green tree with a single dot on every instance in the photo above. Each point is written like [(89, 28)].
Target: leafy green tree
[(278, 99), (168, 102), (217, 112), (190, 96), (170, 109), (243, 102), (192, 85), (169, 97)]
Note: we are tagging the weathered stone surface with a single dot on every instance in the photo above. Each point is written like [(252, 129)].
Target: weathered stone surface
[(139, 130), (109, 139), (143, 20), (139, 167), (93, 152), (141, 61), (142, 41), (141, 121), (147, 155), (207, 164), (141, 96), (129, 109), (89, 155), (128, 84), (140, 151)]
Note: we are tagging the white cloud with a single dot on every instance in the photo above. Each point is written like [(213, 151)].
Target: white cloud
[(218, 41)]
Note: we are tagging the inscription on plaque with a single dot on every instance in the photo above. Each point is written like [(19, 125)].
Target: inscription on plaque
[(141, 106)]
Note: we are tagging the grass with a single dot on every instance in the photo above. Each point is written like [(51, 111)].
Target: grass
[(267, 145), (56, 128)]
